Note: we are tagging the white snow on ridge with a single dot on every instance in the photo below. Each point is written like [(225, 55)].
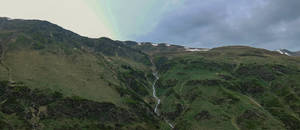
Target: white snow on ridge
[(287, 54), (283, 53), (153, 44), (195, 49), (280, 52), (139, 43), (157, 44), (9, 19)]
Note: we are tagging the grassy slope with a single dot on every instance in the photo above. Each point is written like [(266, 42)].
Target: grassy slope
[(230, 88), (80, 74), (44, 56), (224, 88)]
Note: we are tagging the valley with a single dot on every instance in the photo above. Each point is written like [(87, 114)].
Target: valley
[(52, 78)]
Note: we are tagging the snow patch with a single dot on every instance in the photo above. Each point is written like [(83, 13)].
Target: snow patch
[(153, 44), (280, 52), (283, 53), (287, 54), (10, 19), (195, 49)]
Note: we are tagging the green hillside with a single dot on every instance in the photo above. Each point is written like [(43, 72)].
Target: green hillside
[(43, 56), (230, 88), (52, 78)]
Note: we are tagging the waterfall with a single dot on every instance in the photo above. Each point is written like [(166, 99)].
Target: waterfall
[(154, 93), (157, 99)]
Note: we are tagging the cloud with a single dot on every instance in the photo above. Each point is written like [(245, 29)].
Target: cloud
[(270, 24), (134, 17)]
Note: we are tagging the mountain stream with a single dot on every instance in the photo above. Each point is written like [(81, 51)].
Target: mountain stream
[(157, 99)]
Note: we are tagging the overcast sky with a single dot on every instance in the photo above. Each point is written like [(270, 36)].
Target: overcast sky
[(270, 24)]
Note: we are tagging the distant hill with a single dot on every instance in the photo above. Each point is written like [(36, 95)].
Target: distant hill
[(52, 78), (297, 53)]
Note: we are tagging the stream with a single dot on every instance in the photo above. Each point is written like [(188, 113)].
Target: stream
[(157, 99), (154, 92)]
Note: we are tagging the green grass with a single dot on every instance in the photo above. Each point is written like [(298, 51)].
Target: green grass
[(230, 83), (80, 74), (234, 87)]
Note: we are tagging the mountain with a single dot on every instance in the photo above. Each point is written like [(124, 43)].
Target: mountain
[(152, 48), (52, 78), (96, 77), (233, 87), (289, 53)]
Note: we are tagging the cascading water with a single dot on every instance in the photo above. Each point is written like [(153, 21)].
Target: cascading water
[(157, 99), (154, 93)]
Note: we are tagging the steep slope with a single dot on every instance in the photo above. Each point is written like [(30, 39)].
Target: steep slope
[(229, 88), (24, 108), (44, 56), (52, 78)]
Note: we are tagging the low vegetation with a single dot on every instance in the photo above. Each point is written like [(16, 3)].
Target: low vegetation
[(51, 78)]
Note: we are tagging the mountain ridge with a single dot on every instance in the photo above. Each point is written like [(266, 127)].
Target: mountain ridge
[(86, 82)]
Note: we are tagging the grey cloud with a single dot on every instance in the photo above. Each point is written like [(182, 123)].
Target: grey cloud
[(270, 24)]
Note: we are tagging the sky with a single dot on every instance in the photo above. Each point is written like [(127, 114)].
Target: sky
[(270, 24)]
